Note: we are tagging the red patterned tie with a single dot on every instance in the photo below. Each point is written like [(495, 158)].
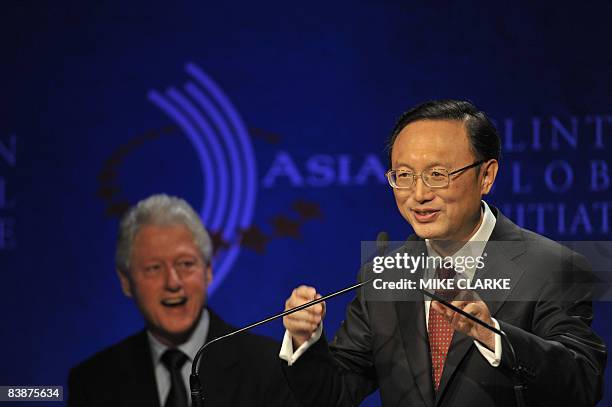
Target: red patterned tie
[(440, 331)]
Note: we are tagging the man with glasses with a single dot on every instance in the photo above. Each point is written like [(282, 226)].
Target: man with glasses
[(444, 158)]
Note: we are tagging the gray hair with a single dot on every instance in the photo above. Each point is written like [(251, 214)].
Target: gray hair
[(159, 209)]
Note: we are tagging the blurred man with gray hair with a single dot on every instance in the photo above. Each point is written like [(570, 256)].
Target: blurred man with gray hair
[(163, 261)]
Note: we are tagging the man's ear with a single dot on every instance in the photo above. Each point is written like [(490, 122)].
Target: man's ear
[(208, 276), (125, 283), (488, 176)]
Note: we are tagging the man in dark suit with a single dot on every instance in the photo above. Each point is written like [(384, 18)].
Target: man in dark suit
[(163, 262), (444, 158)]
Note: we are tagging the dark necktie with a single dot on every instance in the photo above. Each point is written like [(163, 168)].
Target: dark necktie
[(439, 330), (174, 359)]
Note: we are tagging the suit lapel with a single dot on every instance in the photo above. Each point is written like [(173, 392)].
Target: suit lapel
[(505, 244), (414, 338), (139, 387), (458, 349), (500, 266)]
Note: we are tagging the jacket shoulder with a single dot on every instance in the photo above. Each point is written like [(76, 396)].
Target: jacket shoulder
[(541, 246), (108, 359), (549, 248)]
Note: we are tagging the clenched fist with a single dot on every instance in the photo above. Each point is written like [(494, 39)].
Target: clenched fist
[(303, 323)]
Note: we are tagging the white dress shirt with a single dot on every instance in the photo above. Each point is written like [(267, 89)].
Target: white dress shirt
[(189, 348), (475, 248)]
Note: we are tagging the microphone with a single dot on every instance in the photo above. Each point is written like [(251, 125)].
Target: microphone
[(197, 396), (519, 372), (382, 243)]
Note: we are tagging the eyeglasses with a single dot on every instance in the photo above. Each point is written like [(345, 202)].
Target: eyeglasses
[(435, 177)]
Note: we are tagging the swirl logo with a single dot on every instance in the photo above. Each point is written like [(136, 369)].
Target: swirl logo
[(218, 135)]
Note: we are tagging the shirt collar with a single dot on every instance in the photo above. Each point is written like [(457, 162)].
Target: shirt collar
[(476, 245), (486, 227), (190, 347)]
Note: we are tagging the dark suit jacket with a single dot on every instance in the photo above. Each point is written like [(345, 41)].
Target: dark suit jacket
[(546, 316), (240, 371)]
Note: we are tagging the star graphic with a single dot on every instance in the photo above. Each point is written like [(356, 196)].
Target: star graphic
[(218, 241), (254, 239), (107, 192), (107, 175), (284, 226), (267, 136), (117, 209), (307, 210)]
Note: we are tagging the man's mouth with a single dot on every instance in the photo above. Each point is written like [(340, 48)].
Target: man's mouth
[(425, 215), (174, 302)]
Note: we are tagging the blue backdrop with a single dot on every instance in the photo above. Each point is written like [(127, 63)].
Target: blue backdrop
[(271, 120)]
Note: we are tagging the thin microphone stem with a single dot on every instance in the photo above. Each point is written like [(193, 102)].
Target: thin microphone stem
[(460, 311), (471, 317), (194, 380), (519, 385)]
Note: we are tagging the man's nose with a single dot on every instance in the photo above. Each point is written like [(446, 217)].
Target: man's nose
[(422, 192), (173, 279)]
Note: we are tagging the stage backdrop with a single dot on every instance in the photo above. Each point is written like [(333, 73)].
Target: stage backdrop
[(270, 119)]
